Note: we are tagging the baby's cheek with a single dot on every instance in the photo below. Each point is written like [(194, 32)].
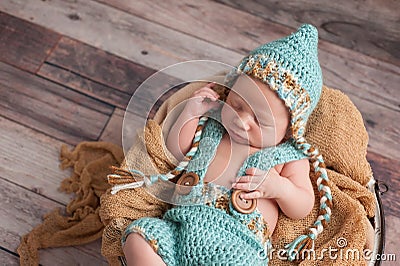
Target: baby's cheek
[(269, 137)]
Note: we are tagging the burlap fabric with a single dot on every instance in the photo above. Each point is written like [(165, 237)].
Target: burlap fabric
[(336, 128), (80, 223)]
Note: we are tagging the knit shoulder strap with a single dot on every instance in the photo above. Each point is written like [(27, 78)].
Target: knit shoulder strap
[(118, 177)]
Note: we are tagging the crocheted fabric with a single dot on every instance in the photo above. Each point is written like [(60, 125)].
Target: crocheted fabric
[(205, 228)]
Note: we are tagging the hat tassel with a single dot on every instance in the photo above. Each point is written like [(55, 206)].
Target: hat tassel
[(303, 242), (306, 242)]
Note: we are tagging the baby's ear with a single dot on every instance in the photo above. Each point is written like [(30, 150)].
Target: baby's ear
[(223, 91)]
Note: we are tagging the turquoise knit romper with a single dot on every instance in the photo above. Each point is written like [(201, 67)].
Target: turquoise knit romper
[(205, 228)]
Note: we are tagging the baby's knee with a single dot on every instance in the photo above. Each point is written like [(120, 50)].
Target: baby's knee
[(139, 252), (134, 242)]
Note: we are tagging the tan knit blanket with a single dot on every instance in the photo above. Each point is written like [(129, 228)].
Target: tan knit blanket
[(335, 127)]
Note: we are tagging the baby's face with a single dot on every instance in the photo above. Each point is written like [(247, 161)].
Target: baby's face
[(254, 114)]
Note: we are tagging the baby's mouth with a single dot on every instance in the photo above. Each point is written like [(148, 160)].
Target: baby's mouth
[(238, 136)]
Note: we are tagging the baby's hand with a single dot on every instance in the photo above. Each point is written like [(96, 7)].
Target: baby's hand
[(202, 101), (259, 184)]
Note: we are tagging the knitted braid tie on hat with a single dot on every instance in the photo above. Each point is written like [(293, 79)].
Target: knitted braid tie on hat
[(306, 242), (290, 67), (127, 179)]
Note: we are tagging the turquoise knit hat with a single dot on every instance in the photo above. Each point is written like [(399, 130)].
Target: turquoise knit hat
[(290, 67)]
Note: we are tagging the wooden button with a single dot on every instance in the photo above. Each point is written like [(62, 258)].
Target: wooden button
[(243, 205), (186, 182)]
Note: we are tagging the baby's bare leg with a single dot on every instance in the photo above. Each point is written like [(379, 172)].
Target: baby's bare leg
[(138, 252)]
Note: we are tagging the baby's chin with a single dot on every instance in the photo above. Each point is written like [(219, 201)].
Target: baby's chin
[(254, 145), (264, 145)]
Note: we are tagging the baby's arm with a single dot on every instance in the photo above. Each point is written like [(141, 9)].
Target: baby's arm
[(297, 197), (291, 188), (181, 134)]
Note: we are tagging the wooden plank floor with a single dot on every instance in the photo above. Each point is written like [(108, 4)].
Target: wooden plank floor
[(68, 69)]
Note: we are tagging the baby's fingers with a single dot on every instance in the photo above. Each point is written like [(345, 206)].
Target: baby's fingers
[(244, 179), (205, 94), (255, 171), (208, 91), (242, 186), (251, 195), (245, 184)]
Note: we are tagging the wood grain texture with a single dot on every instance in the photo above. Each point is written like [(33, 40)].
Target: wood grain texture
[(88, 254), (382, 130), (392, 239), (370, 27), (360, 76), (363, 78), (112, 79), (50, 108), (98, 66), (122, 34), (343, 68), (113, 130), (31, 162), (23, 210), (84, 85), (8, 259), (207, 20), (64, 256), (23, 44), (123, 128), (124, 124), (387, 170)]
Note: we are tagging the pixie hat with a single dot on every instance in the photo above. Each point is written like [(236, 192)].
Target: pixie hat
[(290, 67)]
